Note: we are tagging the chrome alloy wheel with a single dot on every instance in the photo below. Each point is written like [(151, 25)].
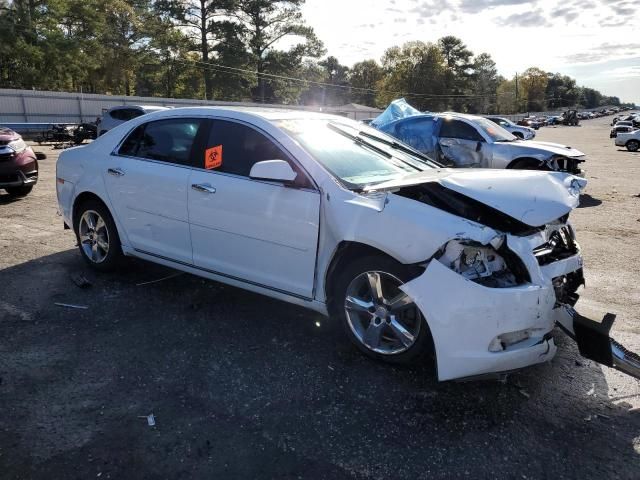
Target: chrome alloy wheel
[(381, 316), (94, 236)]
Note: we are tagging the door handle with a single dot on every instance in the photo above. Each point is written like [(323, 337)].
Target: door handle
[(203, 187), (116, 172)]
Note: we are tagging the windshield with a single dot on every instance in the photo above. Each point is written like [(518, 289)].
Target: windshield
[(494, 131), (354, 153)]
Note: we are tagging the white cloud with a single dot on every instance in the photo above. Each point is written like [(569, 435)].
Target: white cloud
[(558, 34)]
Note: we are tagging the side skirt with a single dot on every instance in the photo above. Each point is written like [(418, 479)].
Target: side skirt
[(310, 304)]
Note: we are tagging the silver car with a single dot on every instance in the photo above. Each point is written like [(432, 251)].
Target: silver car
[(525, 133), (460, 140), (123, 113)]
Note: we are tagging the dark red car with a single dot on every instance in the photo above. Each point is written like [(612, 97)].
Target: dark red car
[(18, 164)]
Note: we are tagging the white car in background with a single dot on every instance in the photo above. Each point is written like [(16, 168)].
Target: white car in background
[(474, 266), (524, 133), (630, 140), (123, 113)]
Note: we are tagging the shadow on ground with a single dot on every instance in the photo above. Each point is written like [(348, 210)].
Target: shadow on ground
[(242, 386), (587, 201)]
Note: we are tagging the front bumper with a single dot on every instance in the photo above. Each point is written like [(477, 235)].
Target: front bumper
[(464, 326), (18, 170), (466, 318)]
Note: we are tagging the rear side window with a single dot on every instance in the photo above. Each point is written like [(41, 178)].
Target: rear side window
[(125, 113), (235, 148), (418, 133), (457, 129), (165, 140)]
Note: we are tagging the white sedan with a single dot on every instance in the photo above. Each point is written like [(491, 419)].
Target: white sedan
[(473, 266)]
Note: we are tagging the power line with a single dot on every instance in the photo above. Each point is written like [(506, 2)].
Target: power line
[(251, 73)]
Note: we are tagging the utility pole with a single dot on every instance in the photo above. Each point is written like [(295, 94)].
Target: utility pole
[(517, 98)]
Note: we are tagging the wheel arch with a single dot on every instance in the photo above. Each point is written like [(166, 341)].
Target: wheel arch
[(348, 250), (515, 161), (91, 195)]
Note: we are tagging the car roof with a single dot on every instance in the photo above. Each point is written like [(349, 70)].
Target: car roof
[(266, 113), (139, 107)]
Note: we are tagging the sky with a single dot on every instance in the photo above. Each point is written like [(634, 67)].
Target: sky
[(595, 41)]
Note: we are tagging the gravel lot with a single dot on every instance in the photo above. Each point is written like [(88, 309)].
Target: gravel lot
[(242, 386)]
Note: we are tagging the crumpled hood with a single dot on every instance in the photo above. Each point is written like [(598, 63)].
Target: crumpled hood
[(555, 148), (531, 197)]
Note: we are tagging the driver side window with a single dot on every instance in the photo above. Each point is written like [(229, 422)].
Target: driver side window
[(234, 148)]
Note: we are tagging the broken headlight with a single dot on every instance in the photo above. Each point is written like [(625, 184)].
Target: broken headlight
[(479, 263)]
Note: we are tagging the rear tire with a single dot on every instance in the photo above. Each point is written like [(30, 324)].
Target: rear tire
[(384, 324), (97, 236), (633, 145), (19, 191)]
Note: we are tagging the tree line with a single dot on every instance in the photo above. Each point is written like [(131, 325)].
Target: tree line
[(250, 50)]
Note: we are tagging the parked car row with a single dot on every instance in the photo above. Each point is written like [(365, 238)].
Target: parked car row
[(354, 222)]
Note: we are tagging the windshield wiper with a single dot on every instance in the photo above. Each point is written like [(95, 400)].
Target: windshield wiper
[(402, 148), (359, 141)]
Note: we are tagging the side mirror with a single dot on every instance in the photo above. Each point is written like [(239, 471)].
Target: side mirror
[(276, 170), (40, 156), (479, 146)]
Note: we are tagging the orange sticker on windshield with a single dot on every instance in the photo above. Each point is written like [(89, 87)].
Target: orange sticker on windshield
[(213, 157)]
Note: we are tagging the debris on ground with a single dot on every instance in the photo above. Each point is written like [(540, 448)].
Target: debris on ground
[(80, 280), (70, 305), (177, 274), (524, 393), (151, 419)]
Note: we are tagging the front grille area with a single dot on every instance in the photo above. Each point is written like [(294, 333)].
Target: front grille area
[(13, 177), (566, 286), (561, 245)]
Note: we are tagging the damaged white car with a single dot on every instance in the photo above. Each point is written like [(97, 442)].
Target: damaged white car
[(474, 266)]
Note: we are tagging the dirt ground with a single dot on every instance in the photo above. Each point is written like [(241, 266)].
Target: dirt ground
[(242, 386)]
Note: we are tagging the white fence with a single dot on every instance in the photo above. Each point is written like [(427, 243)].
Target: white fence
[(33, 106)]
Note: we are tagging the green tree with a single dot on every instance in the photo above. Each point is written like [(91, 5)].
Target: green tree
[(207, 24), (266, 23), (561, 91), (534, 86), (457, 77), (415, 67), (506, 97), (365, 75), (484, 82)]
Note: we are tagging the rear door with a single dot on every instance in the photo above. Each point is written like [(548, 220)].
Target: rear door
[(462, 145), (147, 182), (261, 232)]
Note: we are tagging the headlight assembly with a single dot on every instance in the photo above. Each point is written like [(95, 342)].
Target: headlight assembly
[(479, 263), (17, 145)]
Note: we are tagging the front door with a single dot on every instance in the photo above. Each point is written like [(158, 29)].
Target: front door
[(261, 232), (147, 181), (462, 145)]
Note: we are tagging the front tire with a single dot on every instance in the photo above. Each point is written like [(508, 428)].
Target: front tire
[(97, 236), (19, 191), (633, 145), (380, 320)]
